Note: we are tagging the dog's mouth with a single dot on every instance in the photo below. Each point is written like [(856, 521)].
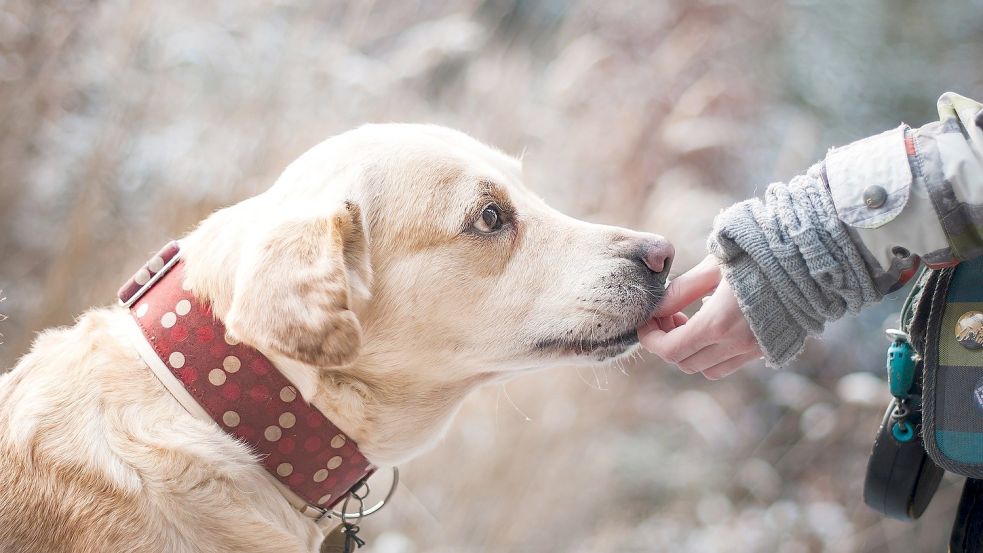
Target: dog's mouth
[(599, 349), (612, 331)]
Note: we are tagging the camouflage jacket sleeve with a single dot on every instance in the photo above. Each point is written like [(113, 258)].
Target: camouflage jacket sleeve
[(910, 195)]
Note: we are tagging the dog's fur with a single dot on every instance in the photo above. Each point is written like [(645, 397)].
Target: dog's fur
[(362, 276)]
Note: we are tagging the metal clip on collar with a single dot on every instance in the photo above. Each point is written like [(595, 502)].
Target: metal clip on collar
[(353, 494)]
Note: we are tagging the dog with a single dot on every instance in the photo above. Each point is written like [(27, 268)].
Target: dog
[(388, 272)]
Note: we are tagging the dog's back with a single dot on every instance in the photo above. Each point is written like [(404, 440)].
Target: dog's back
[(95, 456), (54, 496)]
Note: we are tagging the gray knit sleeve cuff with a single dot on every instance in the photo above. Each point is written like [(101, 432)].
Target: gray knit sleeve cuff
[(780, 335), (791, 263)]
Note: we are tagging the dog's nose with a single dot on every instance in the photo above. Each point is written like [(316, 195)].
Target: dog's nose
[(657, 254)]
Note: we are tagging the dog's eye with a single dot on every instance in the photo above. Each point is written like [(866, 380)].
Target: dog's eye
[(490, 219)]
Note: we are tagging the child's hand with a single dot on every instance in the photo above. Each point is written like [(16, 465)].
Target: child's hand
[(716, 341)]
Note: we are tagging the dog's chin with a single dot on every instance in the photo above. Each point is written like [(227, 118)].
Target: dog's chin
[(593, 349)]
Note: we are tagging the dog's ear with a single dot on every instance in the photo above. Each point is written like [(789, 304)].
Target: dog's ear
[(295, 288)]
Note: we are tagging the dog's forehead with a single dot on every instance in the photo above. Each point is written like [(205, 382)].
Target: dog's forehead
[(437, 154), (420, 183), (431, 172), (413, 182), (398, 157)]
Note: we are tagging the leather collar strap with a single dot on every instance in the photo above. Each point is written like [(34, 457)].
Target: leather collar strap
[(240, 389)]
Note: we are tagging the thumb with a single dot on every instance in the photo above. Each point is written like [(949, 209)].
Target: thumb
[(690, 286)]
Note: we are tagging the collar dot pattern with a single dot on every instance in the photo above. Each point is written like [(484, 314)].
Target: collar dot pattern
[(245, 395)]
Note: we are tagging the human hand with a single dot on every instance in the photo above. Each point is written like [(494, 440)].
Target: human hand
[(716, 341)]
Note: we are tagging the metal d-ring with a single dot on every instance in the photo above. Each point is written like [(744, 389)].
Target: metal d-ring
[(342, 515)]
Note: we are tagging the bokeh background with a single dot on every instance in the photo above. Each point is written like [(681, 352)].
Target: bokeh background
[(125, 122)]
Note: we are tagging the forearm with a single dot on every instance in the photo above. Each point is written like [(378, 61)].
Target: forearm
[(855, 227), (791, 263)]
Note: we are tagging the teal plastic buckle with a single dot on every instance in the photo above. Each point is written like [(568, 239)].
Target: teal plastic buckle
[(900, 365), (901, 379)]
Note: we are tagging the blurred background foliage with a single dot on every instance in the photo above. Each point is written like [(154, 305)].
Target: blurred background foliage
[(125, 122)]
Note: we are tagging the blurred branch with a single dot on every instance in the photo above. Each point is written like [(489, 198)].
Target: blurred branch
[(3, 317)]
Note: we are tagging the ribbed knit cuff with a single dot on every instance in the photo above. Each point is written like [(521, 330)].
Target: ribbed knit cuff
[(791, 263), (781, 337)]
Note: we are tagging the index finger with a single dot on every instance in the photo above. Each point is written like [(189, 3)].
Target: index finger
[(690, 286)]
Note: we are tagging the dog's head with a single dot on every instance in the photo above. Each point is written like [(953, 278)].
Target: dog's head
[(416, 248), (429, 242)]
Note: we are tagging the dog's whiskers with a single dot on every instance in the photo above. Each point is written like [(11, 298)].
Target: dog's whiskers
[(514, 406), (587, 382)]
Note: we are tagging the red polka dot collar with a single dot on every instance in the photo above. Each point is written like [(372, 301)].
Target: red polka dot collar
[(216, 377)]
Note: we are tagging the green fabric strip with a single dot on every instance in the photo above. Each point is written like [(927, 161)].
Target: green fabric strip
[(955, 419)]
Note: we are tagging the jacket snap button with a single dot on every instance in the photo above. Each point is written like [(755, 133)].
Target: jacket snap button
[(875, 196), (969, 330)]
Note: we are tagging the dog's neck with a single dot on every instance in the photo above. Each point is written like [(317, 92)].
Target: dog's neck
[(393, 410), (385, 405), (392, 418)]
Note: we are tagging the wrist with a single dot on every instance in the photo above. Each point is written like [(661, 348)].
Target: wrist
[(778, 333)]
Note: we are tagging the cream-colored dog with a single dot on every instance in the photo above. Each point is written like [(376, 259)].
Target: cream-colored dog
[(388, 272)]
